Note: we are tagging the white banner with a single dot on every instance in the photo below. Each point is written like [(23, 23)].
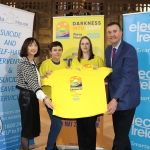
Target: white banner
[(15, 26)]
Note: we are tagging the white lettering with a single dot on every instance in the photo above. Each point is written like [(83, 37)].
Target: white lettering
[(143, 31), (141, 127)]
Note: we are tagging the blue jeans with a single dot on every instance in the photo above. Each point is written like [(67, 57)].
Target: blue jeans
[(55, 127)]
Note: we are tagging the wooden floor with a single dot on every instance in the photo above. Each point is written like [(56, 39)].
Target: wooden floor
[(40, 141)]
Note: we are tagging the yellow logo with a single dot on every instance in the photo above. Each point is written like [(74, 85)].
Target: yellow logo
[(62, 30), (76, 87), (87, 66)]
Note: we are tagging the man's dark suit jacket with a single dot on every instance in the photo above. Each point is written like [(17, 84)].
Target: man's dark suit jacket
[(123, 82)]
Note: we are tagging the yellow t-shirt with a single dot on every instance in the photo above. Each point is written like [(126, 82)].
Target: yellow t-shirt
[(78, 94), (49, 65), (96, 61)]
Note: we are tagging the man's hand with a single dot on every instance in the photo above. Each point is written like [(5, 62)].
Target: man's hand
[(112, 105)]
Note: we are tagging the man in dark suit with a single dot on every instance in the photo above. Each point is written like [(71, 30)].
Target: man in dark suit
[(123, 85)]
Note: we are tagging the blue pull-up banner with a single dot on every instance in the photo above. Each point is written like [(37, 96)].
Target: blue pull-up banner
[(136, 31)]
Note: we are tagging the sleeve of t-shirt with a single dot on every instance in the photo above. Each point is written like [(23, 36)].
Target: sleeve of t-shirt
[(42, 69), (105, 71), (72, 64), (65, 64), (48, 80), (101, 62)]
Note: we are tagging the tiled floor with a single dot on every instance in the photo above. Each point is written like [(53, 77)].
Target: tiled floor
[(45, 123)]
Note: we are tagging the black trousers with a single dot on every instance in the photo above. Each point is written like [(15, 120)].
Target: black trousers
[(86, 132), (122, 121)]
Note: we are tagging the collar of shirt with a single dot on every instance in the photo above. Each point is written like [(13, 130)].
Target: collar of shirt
[(117, 46), (116, 50)]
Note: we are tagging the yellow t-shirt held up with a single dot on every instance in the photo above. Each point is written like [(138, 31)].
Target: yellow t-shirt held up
[(77, 94)]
